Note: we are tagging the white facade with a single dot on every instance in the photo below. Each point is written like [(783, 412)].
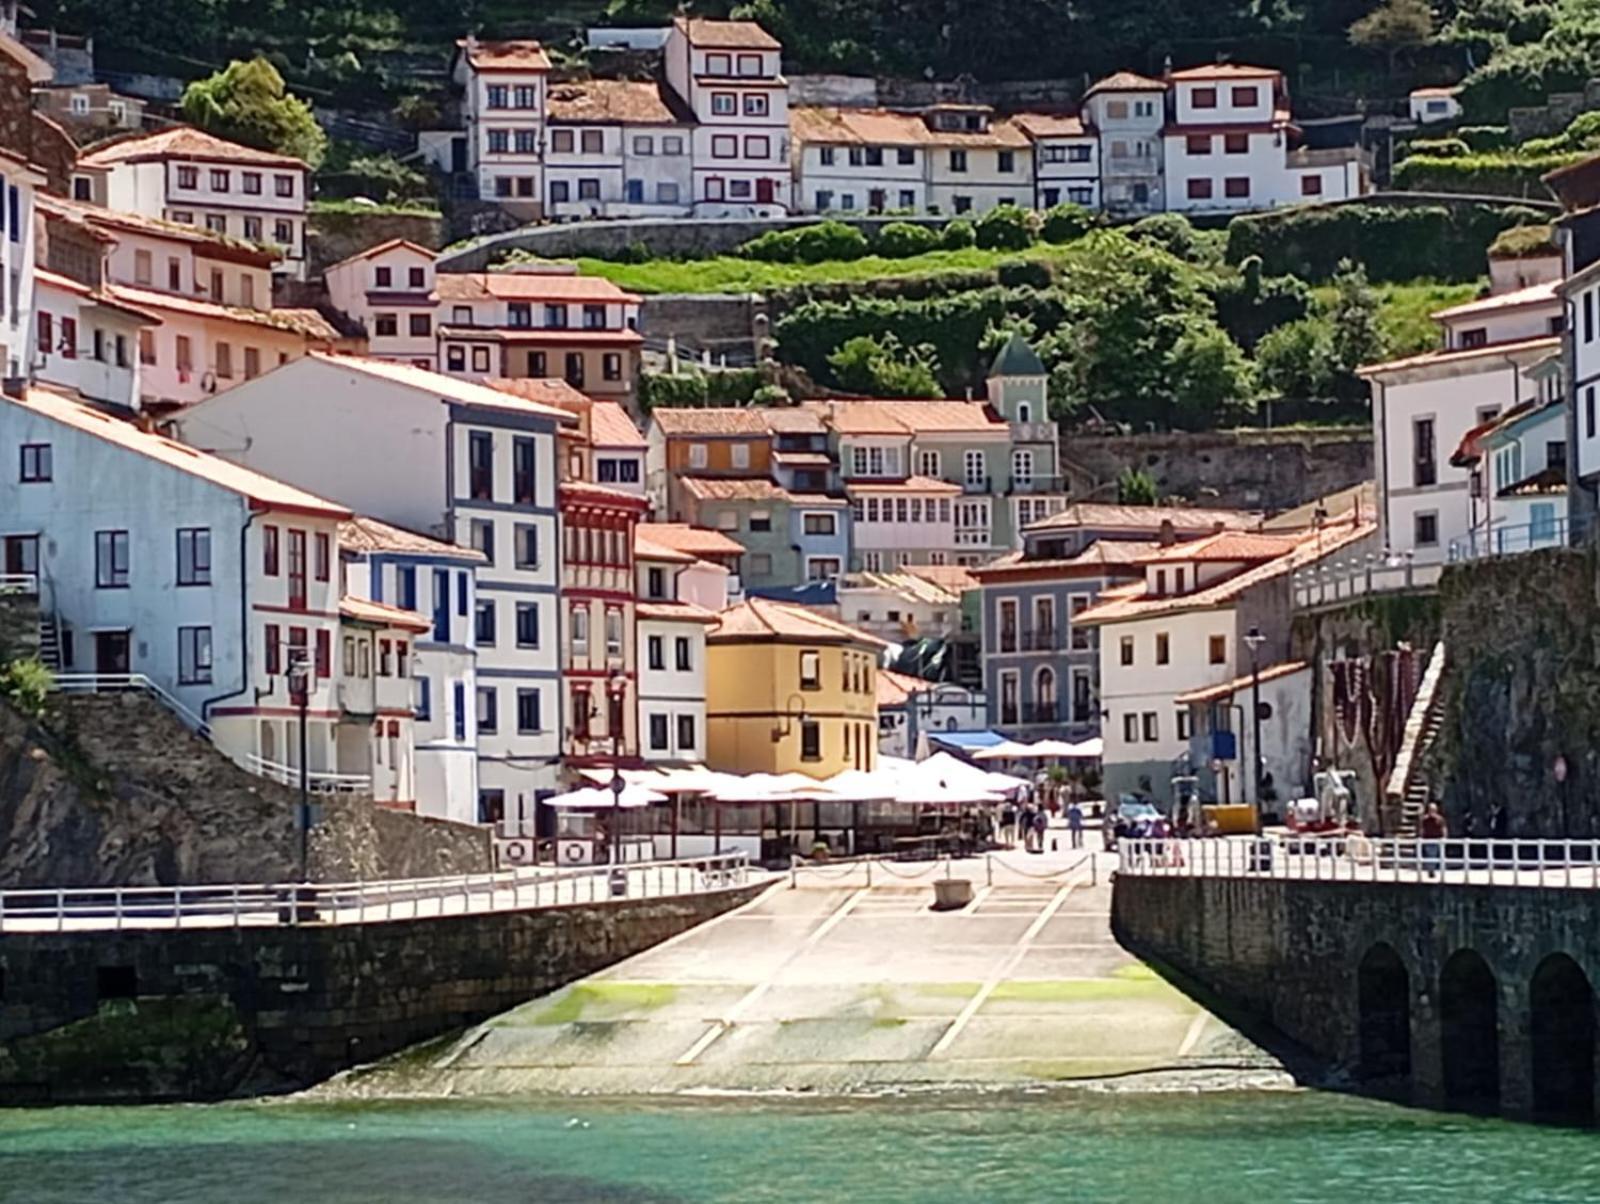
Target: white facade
[(901, 523), (389, 289), (503, 107), (18, 183), (1066, 161), (730, 75), (86, 344), (1581, 294), (453, 460), (1429, 105), (1127, 112), (619, 167)]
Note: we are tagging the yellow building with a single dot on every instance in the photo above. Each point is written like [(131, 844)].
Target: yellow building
[(790, 690)]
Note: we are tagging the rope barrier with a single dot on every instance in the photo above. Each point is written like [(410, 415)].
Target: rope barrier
[(931, 867), (1074, 867)]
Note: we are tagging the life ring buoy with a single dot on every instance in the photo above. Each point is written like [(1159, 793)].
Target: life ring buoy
[(575, 852), (516, 852)]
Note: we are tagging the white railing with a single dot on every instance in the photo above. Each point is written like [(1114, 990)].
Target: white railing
[(1344, 580), (318, 781), (119, 683), (1353, 857), (1516, 538), (237, 905), (19, 583)]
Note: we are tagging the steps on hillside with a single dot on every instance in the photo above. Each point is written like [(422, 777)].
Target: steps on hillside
[(50, 643), (1410, 785)]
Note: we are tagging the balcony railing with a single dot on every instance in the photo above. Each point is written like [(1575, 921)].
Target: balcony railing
[(1554, 532), (1038, 484), (1038, 640)]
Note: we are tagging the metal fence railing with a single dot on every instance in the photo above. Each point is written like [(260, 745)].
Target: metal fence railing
[(119, 683), (237, 905), (1515, 538), (1358, 576), (318, 781), (1356, 858)]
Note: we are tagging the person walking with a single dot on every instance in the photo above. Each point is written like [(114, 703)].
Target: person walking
[(1075, 823), (1025, 827), (1008, 823), (1433, 831), (1041, 824)]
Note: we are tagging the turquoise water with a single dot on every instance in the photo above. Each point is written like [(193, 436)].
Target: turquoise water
[(1277, 1148)]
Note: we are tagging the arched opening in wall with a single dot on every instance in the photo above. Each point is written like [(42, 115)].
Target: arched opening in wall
[(1561, 1014), (1383, 994), (1469, 1037)]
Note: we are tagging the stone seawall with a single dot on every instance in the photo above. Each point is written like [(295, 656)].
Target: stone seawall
[(1293, 955), (210, 1013)]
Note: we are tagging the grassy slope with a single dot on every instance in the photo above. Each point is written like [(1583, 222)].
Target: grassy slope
[(1404, 318)]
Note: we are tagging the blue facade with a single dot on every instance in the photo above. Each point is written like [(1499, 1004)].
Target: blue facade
[(1041, 673)]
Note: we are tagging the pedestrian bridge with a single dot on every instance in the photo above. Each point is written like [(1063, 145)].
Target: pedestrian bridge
[(1456, 974)]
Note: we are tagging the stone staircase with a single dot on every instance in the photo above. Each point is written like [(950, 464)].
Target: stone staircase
[(1410, 785), (50, 642)]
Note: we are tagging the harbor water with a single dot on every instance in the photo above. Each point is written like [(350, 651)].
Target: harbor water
[(1288, 1147)]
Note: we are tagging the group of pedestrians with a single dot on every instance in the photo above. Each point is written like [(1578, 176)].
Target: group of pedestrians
[(1029, 822)]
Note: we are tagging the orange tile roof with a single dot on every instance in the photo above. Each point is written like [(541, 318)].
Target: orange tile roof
[(184, 142), (247, 483), (1428, 359), (445, 388), (207, 243), (513, 55), (1226, 71), (676, 612), (712, 420), (895, 689), (614, 102), (735, 489), (1228, 689), (1534, 294), (610, 426), (764, 619), (1225, 546), (379, 248), (527, 286), (543, 390), (1136, 602), (836, 125), (1127, 81), (957, 578), (364, 610), (1093, 561), (366, 534), (77, 288), (706, 33), (792, 420), (909, 485), (693, 541), (882, 417), (1143, 518), (571, 336), (590, 491), (645, 548), (1452, 91), (307, 323), (1051, 125)]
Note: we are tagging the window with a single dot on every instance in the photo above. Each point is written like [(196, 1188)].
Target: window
[(481, 532), (526, 142), (1424, 466), (488, 721), (1022, 467), (420, 326), (672, 144), (480, 359), (667, 194), (686, 731), (283, 235), (1236, 186), (1217, 649), (527, 624), (499, 143), (755, 104), (1245, 97), (36, 462), (1006, 161), (224, 354), (1425, 529), (1151, 725), (958, 160), (589, 189), (757, 146), (1126, 650), (1079, 154), (810, 740), (658, 733), (1310, 185), (194, 655), (219, 180), (975, 467), (1199, 190), (760, 520), (820, 524), (1589, 412), (194, 556), (188, 177), (810, 670), (283, 185), (1478, 336), (697, 455), (480, 465), (322, 554), (574, 369), (750, 64), (111, 559), (483, 623), (1130, 728), (385, 326), (1203, 98), (720, 65), (1236, 144), (724, 146), (1197, 144), (682, 654)]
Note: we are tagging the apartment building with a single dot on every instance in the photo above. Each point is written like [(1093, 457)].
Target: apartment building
[(1127, 113), (618, 148), (1066, 160), (187, 176), (503, 110), (89, 110), (679, 599), (389, 289), (20, 182)]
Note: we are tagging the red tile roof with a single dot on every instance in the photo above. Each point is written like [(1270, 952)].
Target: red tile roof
[(614, 102), (184, 142), (543, 390), (1228, 689), (764, 619), (1050, 125), (880, 417), (365, 534), (364, 610), (610, 426), (909, 485), (528, 286), (735, 489), (1127, 81), (1145, 518), (207, 244), (265, 491), (1226, 546), (676, 612), (1534, 294), (609, 495), (380, 248), (708, 34), (693, 541), (305, 322), (712, 420), (1226, 71), (513, 55)]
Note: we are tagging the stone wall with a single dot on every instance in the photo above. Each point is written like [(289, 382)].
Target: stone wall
[(1285, 954), (1523, 692), (717, 322), (19, 625), (112, 790), (333, 236), (1249, 469), (208, 1013)]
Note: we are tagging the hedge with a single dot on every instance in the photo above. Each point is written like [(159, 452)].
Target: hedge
[(693, 387), (1509, 175), (1484, 137), (1439, 242)]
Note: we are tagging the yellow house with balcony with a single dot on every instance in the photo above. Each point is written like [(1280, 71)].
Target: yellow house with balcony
[(790, 690)]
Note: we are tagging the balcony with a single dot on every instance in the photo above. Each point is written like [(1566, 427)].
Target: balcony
[(1014, 715), (1034, 485), (1033, 432), (977, 485), (1516, 538), (1045, 640)]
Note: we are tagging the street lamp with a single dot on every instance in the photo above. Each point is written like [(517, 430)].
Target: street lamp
[(616, 693), (1255, 639), (299, 675)]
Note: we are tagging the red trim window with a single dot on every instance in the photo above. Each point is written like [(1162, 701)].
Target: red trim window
[(724, 146), (1203, 98), (297, 569), (1236, 186), (1197, 144), (1244, 97), (757, 146), (69, 338), (322, 549), (400, 658), (44, 333), (716, 187), (1199, 190), (269, 551), (274, 658), (297, 649), (324, 655), (1310, 185)]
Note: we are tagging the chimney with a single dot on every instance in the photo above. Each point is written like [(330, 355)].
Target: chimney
[(1167, 535)]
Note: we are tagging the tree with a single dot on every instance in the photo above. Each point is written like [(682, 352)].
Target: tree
[(1356, 336), (248, 103), (882, 366), (1394, 27), (1295, 360), (1136, 487)]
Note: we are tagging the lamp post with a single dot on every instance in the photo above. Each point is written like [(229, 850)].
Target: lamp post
[(300, 691), (616, 693), (1255, 639)]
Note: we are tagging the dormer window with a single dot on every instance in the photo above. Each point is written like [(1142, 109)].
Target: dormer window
[(719, 65), (1478, 336)]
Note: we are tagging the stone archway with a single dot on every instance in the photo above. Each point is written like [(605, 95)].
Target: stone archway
[(1562, 1028), (1469, 1032), (1383, 1002)]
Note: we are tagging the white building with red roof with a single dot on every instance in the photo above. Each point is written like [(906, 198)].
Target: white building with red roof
[(618, 148), (679, 598), (187, 176), (456, 461), (503, 108), (389, 290)]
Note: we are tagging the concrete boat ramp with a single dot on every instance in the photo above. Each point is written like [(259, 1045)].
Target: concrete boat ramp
[(843, 979)]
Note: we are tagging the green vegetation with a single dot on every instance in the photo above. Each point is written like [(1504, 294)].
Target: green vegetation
[(1520, 242), (247, 102), (25, 684), (605, 998), (1136, 487), (420, 208), (690, 386), (350, 170), (880, 366), (1460, 164)]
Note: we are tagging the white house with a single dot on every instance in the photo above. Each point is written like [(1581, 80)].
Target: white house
[(389, 289), (1580, 295), (1284, 689), (204, 576), (378, 699), (899, 607), (1429, 105), (729, 74), (909, 708), (1424, 406), (617, 148), (459, 462), (87, 343), (18, 183), (1127, 112), (673, 615), (436, 582), (503, 105), (1066, 160), (1229, 145), (849, 160), (1519, 473), (976, 160), (187, 176)]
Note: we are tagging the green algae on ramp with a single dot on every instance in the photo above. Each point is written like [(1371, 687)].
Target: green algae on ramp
[(609, 999), (1085, 990)]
